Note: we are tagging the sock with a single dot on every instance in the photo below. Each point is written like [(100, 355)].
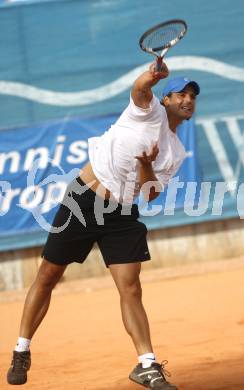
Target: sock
[(22, 345), (147, 359)]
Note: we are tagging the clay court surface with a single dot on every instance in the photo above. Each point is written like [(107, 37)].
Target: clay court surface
[(197, 322)]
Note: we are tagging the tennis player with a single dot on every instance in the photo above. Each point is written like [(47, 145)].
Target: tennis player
[(140, 152)]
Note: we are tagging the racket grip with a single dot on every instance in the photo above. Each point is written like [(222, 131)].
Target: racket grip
[(159, 62)]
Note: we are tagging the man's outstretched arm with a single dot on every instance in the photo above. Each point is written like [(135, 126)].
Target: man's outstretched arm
[(142, 89)]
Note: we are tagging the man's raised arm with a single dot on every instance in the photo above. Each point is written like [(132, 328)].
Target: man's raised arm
[(142, 89)]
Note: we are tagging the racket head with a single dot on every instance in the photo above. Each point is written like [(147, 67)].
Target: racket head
[(164, 35)]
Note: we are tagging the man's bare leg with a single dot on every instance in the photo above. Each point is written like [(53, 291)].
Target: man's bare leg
[(35, 308), (126, 277), (38, 298)]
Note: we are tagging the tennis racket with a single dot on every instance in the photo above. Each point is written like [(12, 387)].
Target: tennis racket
[(160, 38)]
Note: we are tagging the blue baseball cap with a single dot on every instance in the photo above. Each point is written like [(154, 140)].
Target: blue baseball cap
[(177, 84)]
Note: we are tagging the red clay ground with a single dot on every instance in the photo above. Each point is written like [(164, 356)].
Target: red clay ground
[(197, 323)]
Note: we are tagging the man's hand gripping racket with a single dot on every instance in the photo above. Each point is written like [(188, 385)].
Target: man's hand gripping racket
[(160, 38)]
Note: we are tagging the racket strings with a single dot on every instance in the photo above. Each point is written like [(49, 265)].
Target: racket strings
[(161, 37)]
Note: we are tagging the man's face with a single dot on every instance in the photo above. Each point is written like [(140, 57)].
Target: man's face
[(181, 104)]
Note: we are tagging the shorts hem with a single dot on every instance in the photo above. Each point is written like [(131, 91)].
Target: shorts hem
[(60, 262), (108, 263)]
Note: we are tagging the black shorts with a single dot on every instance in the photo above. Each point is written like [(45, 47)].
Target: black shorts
[(120, 236)]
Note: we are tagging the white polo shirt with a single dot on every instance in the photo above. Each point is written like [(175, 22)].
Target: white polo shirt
[(112, 155)]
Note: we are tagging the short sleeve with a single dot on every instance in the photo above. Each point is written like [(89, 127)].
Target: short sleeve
[(143, 113)]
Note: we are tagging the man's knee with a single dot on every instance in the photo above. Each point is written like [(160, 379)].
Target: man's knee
[(131, 290), (49, 275)]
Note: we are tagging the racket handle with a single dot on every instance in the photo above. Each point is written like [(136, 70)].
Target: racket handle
[(159, 62)]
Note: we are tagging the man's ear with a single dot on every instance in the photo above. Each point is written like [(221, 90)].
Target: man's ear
[(165, 101)]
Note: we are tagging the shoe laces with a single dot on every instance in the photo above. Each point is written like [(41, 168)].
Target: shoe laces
[(20, 360), (163, 369)]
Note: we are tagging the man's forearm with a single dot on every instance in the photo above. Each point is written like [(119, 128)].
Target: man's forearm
[(142, 89), (146, 81), (147, 175)]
